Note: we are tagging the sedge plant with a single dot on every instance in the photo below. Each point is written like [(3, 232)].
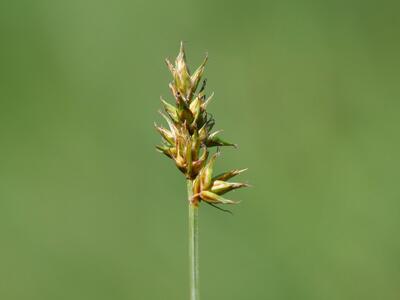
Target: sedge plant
[(188, 140)]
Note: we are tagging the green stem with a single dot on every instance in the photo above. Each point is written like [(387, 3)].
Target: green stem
[(193, 245)]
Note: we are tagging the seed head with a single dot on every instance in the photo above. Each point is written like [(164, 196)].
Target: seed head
[(189, 134)]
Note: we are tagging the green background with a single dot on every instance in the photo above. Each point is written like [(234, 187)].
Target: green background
[(308, 89)]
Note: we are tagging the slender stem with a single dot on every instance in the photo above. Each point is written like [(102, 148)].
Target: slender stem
[(193, 245)]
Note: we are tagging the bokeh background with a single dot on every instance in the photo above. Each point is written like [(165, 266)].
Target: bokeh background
[(308, 89)]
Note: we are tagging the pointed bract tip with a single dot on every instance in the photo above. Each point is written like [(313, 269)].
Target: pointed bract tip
[(208, 100), (205, 59)]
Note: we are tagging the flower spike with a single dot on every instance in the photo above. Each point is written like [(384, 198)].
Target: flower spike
[(189, 137)]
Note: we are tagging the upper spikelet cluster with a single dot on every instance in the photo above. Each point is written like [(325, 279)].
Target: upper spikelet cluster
[(189, 135)]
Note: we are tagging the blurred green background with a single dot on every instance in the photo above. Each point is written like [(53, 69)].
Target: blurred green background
[(308, 89)]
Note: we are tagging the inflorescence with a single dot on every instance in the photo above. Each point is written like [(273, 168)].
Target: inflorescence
[(189, 135)]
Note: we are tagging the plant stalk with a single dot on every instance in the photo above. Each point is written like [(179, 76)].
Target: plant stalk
[(193, 245)]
